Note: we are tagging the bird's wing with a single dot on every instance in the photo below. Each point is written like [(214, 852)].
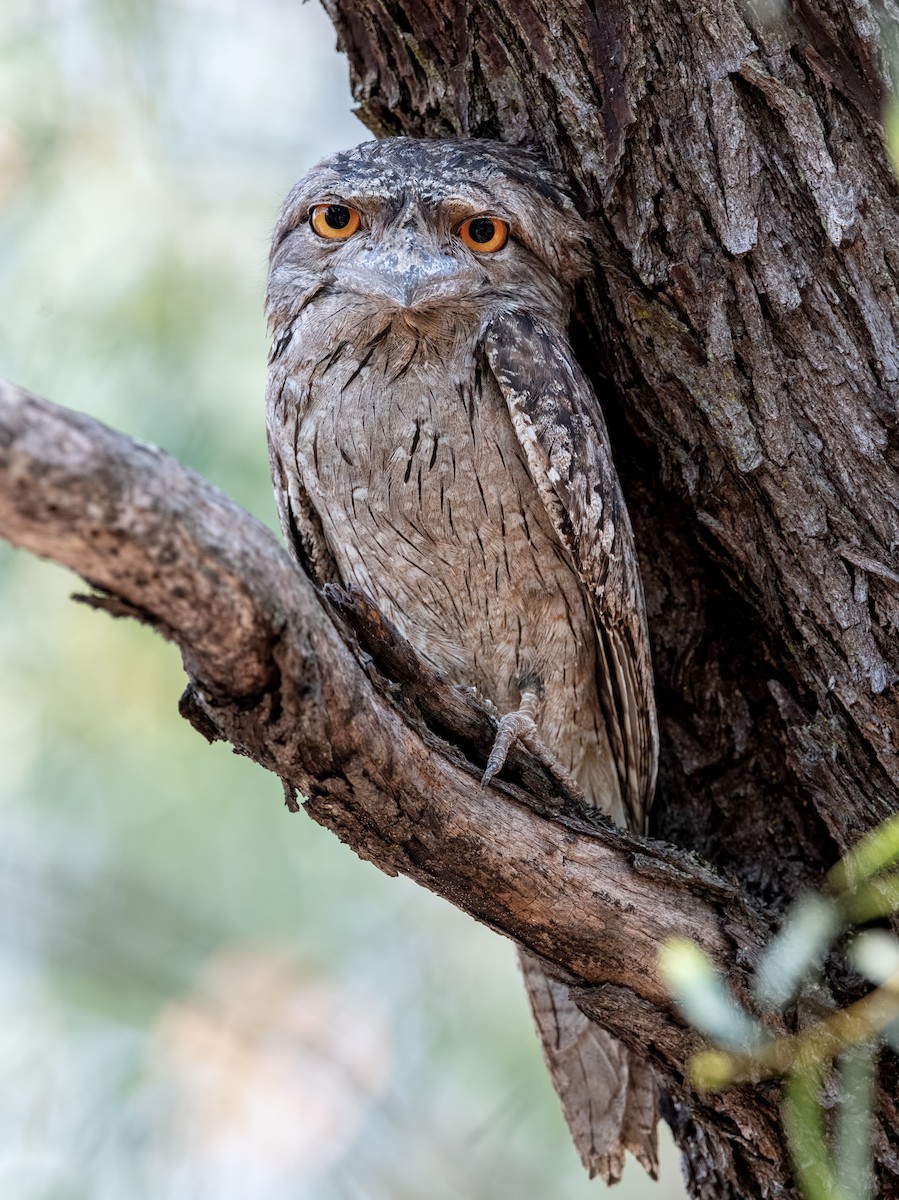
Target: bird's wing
[(559, 424), (608, 1094)]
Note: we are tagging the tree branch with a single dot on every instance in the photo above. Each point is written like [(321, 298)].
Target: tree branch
[(319, 690)]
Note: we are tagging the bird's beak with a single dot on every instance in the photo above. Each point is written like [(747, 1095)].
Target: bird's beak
[(409, 277)]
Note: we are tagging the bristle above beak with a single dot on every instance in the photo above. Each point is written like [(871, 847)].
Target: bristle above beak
[(410, 278)]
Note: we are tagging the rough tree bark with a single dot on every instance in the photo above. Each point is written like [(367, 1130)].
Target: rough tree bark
[(741, 331)]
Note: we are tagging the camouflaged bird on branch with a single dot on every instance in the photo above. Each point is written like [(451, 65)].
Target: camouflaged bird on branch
[(435, 444)]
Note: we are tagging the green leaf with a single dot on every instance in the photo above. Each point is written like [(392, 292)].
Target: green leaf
[(870, 901), (809, 929), (704, 998), (804, 1126), (876, 851), (853, 1133)]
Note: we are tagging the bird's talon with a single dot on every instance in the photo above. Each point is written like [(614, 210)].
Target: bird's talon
[(513, 727), (492, 767), (520, 727)]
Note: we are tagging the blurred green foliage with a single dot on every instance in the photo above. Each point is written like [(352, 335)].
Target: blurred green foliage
[(202, 997), (829, 1064)]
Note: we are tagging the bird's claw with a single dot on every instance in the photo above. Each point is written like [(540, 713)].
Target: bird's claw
[(513, 727), (521, 727)]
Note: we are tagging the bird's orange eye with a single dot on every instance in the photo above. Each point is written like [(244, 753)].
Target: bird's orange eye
[(484, 234), (334, 221)]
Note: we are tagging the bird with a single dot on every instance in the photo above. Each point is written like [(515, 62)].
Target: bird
[(435, 443)]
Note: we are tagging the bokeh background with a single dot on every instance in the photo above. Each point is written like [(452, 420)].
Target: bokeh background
[(201, 996)]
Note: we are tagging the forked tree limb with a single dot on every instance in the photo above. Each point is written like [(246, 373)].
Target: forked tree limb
[(386, 753)]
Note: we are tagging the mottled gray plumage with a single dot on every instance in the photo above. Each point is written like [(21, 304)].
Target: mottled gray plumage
[(434, 442)]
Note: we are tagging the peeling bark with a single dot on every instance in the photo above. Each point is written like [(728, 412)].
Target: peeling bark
[(741, 330)]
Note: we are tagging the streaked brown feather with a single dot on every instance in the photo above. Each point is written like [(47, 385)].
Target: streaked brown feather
[(558, 421)]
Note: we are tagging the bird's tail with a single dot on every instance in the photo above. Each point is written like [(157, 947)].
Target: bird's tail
[(609, 1096)]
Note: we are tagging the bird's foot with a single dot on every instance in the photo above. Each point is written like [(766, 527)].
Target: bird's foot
[(513, 727), (520, 726)]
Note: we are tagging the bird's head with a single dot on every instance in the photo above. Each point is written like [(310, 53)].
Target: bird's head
[(424, 233)]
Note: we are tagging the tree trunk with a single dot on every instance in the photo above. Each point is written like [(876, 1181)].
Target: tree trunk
[(741, 331)]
